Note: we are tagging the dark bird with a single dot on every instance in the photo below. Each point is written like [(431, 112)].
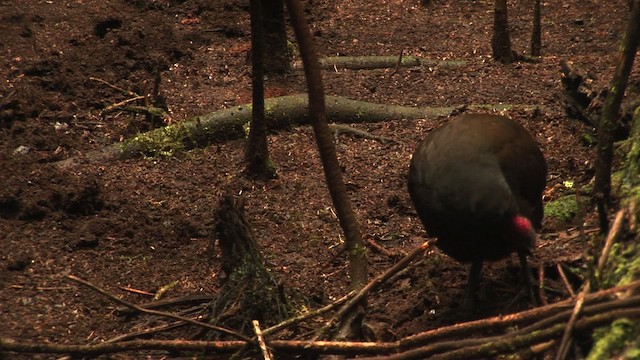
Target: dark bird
[(477, 184)]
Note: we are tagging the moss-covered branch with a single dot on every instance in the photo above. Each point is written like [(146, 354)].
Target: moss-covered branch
[(280, 112), (380, 62)]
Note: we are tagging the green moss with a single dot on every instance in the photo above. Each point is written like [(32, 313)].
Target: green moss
[(162, 142), (623, 265), (617, 181), (613, 339), (588, 139), (562, 209), (246, 127), (633, 353)]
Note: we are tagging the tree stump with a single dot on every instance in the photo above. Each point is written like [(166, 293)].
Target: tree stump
[(249, 291)]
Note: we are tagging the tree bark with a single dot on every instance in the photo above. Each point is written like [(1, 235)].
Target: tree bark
[(609, 115), (536, 37), (257, 151), (275, 35), (354, 245), (249, 289), (501, 42)]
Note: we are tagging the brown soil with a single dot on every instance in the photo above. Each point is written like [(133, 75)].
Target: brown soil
[(144, 223)]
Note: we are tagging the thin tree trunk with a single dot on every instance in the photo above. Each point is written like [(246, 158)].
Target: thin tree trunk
[(354, 245), (278, 60), (609, 115), (536, 37), (501, 42), (257, 151)]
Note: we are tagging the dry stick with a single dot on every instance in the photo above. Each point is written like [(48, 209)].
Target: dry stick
[(563, 349), (541, 294), (160, 328), (549, 319), (493, 346), (123, 102), (563, 276), (597, 315), (370, 286), (503, 344), (147, 331), (507, 345), (127, 92), (158, 313), (200, 298), (537, 349), (274, 329), (10, 345), (611, 237), (511, 320), (266, 354)]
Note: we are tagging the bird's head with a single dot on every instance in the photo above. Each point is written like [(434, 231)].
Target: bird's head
[(522, 229)]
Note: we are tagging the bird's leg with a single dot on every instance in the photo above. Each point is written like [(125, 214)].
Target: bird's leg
[(526, 277), (475, 274)]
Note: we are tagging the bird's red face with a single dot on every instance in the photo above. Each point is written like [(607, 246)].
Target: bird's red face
[(523, 229)]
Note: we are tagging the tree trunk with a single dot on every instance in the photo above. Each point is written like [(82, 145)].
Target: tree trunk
[(257, 151), (500, 42), (249, 291), (356, 250), (536, 37), (609, 115), (275, 36)]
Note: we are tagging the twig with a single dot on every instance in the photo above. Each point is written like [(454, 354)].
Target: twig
[(370, 286), (266, 354), (565, 281), (595, 315), (381, 249), (548, 313), (127, 92), (611, 237), (492, 346), (148, 331), (169, 302), (541, 294), (274, 329), (123, 102), (136, 291), (534, 351), (158, 313)]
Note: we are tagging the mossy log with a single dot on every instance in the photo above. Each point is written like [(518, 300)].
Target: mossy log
[(281, 113), (381, 62)]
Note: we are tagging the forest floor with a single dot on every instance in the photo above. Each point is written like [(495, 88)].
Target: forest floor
[(147, 222)]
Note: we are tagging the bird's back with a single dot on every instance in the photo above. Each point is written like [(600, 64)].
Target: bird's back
[(470, 177)]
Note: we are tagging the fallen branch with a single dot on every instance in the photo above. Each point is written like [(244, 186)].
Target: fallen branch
[(380, 62), (281, 113), (158, 313), (604, 313), (266, 354)]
